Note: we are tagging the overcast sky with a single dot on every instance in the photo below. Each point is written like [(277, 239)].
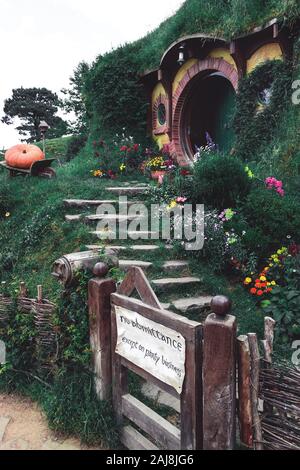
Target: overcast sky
[(42, 41)]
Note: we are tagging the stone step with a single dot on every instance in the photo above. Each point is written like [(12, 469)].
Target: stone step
[(112, 218), (128, 190), (106, 247), (144, 247), (86, 203), (73, 218), (171, 266), (165, 306), (139, 235), (160, 397), (120, 248), (127, 264), (192, 304), (169, 283), (104, 234), (134, 183)]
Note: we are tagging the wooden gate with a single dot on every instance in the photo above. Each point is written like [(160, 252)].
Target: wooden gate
[(144, 422)]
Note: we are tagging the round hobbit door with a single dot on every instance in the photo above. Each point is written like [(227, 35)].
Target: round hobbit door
[(209, 108)]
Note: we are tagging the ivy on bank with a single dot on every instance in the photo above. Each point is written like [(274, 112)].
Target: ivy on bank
[(256, 122)]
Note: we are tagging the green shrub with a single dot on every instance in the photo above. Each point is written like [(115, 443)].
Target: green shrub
[(74, 146), (284, 301), (220, 181), (271, 219), (256, 122)]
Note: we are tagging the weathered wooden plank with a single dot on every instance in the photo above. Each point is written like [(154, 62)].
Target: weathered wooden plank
[(191, 397), (134, 440), (128, 285), (151, 422), (100, 333), (144, 289), (269, 338), (255, 368), (244, 371), (119, 372), (136, 279), (219, 382)]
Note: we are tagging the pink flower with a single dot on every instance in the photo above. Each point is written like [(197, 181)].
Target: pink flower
[(123, 149), (281, 192), (136, 147), (276, 184), (181, 200)]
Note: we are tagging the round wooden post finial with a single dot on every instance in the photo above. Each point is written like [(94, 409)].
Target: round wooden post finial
[(100, 269), (221, 305)]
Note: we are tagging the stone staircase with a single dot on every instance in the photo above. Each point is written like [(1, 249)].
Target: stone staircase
[(179, 290)]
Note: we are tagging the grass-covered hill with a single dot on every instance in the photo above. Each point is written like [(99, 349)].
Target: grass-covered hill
[(34, 233), (112, 87)]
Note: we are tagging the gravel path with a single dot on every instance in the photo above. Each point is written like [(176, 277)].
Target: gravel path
[(23, 427)]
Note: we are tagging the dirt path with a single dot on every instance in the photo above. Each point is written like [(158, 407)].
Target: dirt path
[(23, 427)]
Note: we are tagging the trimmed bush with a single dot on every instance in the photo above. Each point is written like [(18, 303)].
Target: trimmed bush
[(220, 181), (74, 146)]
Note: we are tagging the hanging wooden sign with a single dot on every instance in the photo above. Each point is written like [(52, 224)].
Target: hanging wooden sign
[(159, 350)]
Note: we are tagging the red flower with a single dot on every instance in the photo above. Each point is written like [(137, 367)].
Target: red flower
[(294, 249), (253, 291), (136, 147), (185, 173), (260, 293), (124, 148)]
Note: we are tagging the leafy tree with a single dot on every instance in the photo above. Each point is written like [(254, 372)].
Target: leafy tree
[(74, 101), (31, 106)]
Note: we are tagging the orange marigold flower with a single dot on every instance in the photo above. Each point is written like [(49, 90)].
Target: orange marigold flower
[(253, 291)]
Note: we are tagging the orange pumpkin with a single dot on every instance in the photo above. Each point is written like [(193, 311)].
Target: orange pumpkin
[(23, 156)]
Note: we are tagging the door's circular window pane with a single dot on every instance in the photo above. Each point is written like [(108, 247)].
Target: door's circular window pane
[(161, 114)]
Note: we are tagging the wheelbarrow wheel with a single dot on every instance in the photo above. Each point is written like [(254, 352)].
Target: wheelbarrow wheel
[(48, 173)]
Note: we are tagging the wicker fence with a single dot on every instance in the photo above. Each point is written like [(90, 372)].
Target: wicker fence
[(42, 310)]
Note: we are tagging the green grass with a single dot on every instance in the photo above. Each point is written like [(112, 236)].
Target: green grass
[(35, 234), (56, 148)]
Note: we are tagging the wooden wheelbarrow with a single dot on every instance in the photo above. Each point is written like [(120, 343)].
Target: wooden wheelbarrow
[(41, 168)]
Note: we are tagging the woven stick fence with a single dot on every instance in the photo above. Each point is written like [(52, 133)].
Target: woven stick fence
[(43, 311), (280, 391), (269, 395)]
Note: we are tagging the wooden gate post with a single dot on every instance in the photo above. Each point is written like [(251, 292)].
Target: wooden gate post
[(219, 377), (99, 292)]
